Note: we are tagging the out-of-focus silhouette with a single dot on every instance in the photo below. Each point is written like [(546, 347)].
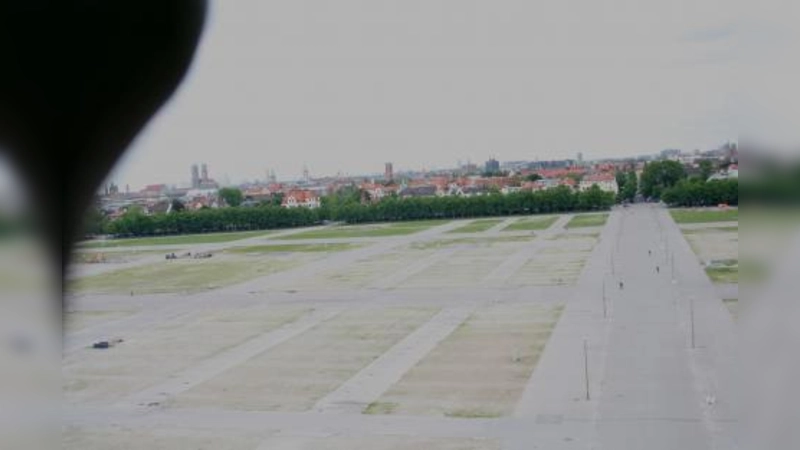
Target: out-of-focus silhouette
[(79, 80)]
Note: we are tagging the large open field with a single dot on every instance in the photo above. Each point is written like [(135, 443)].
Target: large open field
[(446, 335), (287, 327)]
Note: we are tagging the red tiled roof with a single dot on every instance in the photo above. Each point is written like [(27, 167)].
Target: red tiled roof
[(300, 196)]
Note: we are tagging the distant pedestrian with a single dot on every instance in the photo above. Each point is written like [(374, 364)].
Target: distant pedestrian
[(649, 253), (621, 285), (658, 269)]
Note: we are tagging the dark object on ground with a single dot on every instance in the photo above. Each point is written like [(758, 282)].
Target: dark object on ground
[(107, 344)]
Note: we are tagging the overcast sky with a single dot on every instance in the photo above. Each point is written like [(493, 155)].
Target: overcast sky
[(344, 86)]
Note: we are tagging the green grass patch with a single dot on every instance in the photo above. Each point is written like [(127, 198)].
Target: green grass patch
[(587, 220), (704, 230), (188, 275), (373, 230), (705, 215), (477, 226), (380, 408), (183, 239), (290, 248), (723, 274), (531, 223)]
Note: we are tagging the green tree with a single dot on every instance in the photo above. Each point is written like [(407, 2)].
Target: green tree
[(533, 177), (177, 205), (231, 196), (706, 169), (688, 193), (94, 221), (660, 175), (348, 209)]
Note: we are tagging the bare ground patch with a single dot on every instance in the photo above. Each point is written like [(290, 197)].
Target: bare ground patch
[(717, 244), (480, 370), (366, 271), (104, 376), (78, 320), (296, 374), (467, 267), (557, 264)]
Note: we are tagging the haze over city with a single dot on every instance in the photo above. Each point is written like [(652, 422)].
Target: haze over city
[(346, 87)]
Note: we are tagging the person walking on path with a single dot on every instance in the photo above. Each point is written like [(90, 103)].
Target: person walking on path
[(621, 285), (658, 269)]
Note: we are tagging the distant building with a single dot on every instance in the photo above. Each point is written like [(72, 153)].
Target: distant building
[(492, 166), (606, 181), (200, 178), (195, 176), (418, 191), (301, 198), (732, 172), (388, 172), (671, 153), (154, 190)]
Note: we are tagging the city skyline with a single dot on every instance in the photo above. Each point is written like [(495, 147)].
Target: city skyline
[(270, 175), (339, 89)]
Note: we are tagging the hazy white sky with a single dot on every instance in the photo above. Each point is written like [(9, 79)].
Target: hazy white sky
[(347, 85)]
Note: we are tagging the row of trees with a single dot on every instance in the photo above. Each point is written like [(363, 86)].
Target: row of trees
[(660, 175), (628, 185), (695, 192), (348, 208), (136, 223)]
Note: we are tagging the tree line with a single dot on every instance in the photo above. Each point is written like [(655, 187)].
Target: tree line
[(350, 209), (669, 182), (693, 192)]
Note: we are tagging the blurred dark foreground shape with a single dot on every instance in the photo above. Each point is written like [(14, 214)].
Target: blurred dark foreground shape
[(78, 81)]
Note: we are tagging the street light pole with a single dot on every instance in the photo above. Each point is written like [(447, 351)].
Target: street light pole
[(691, 319), (586, 367)]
